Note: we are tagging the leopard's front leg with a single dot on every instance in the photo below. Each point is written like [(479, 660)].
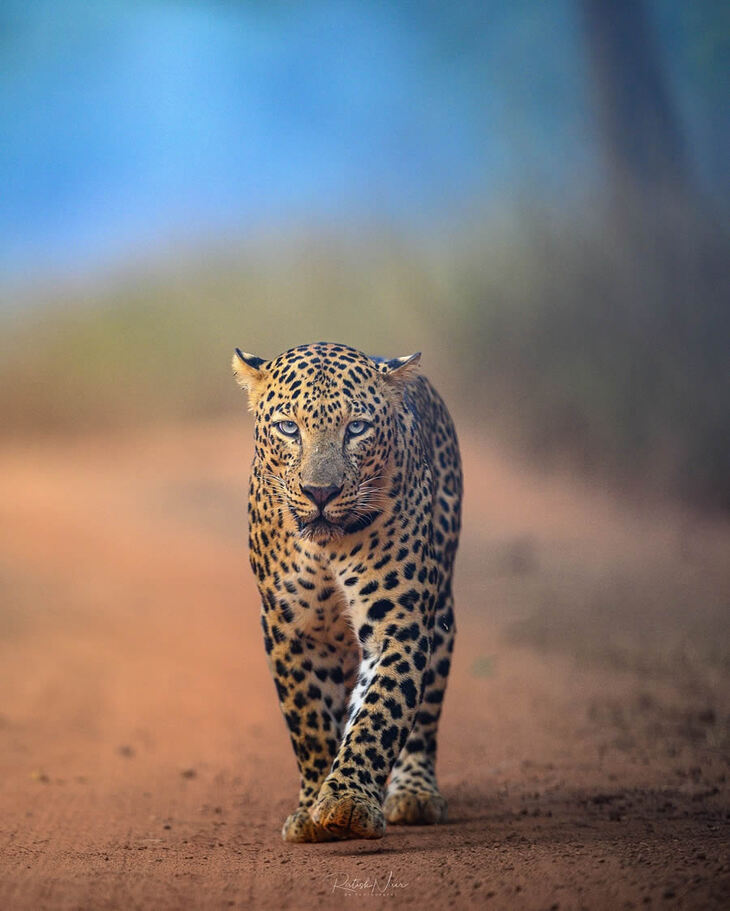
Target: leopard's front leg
[(383, 708), (413, 796), (312, 680)]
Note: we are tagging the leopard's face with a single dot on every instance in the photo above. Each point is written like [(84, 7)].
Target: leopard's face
[(325, 429), (327, 455)]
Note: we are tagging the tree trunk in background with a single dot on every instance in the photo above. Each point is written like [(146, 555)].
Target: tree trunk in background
[(640, 135)]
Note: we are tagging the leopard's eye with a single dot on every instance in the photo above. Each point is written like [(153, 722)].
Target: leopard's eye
[(357, 428), (288, 428)]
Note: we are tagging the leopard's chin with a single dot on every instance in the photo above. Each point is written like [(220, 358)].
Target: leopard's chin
[(320, 531)]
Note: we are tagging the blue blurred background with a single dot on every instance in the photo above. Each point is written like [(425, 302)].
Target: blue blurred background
[(535, 193), (129, 126)]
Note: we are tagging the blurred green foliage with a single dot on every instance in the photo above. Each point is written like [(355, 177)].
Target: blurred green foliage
[(593, 339)]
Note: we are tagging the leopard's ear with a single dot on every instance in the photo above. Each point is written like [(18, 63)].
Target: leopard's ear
[(401, 370), (250, 373)]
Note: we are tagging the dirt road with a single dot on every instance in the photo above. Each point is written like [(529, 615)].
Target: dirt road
[(144, 764)]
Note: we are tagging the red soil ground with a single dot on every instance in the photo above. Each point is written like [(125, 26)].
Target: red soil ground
[(144, 763)]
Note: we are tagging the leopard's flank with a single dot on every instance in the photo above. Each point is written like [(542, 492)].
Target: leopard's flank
[(354, 516)]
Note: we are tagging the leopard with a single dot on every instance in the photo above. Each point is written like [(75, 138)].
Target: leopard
[(354, 514)]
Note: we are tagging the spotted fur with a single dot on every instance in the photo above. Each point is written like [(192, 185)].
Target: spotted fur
[(353, 534)]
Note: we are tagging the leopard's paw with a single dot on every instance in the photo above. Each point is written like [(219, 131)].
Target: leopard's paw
[(349, 816), (300, 827), (413, 808)]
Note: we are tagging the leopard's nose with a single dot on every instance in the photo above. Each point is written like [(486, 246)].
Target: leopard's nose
[(321, 496)]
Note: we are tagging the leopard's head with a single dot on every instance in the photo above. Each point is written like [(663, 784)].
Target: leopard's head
[(326, 427)]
